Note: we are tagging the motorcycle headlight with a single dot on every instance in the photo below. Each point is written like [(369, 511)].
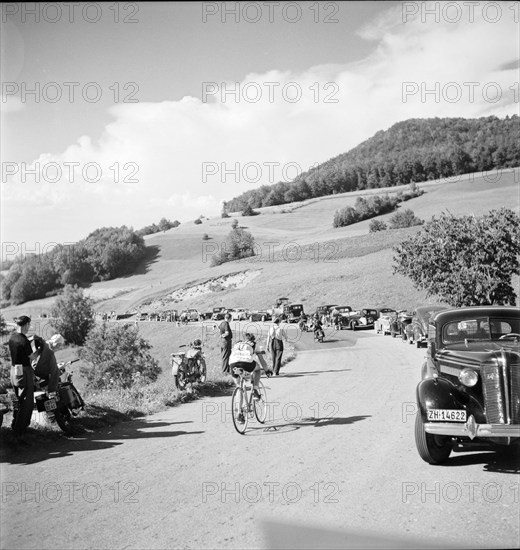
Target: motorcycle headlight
[(468, 377)]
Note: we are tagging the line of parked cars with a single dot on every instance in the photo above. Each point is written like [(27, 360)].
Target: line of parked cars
[(410, 326)]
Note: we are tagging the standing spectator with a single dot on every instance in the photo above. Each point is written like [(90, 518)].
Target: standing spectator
[(226, 337), (275, 340), (22, 376), (335, 318)]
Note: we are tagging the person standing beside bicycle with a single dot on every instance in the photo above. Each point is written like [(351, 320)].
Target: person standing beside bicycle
[(275, 339), (22, 376)]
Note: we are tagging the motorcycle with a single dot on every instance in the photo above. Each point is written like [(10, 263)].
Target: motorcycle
[(319, 335), (189, 367), (60, 406), (64, 404)]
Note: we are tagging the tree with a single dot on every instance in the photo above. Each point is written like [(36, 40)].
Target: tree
[(238, 244), (377, 225), (73, 315), (404, 218), (234, 224), (117, 356), (465, 261)]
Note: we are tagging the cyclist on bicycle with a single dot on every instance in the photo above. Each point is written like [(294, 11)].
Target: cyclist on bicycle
[(243, 357)]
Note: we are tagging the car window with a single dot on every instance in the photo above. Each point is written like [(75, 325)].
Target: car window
[(480, 328)]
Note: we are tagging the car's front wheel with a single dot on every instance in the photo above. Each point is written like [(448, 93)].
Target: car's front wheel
[(434, 449)]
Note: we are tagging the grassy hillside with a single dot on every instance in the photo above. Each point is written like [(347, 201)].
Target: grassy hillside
[(346, 265)]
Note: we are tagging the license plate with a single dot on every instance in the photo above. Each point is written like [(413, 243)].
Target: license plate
[(50, 405), (447, 415)]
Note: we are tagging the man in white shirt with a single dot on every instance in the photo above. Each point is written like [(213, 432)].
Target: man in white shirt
[(275, 340)]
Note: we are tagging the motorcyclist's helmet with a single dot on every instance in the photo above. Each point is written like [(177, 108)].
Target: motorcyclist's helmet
[(250, 337), (197, 343)]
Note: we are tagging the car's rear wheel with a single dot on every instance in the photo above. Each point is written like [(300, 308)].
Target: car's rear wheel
[(434, 449)]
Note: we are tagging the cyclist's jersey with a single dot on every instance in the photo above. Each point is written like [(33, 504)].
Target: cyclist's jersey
[(242, 352)]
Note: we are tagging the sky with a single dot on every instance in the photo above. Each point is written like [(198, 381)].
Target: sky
[(125, 113)]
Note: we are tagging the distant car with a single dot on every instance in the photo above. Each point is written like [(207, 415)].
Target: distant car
[(362, 318), (293, 312), (218, 313), (404, 325), (324, 310), (382, 325), (419, 330), (194, 315), (238, 314), (261, 316), (344, 312), (469, 395)]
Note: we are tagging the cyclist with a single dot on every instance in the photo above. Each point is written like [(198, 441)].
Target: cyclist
[(243, 357)]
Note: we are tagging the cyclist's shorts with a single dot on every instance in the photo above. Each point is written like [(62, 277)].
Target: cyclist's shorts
[(248, 367)]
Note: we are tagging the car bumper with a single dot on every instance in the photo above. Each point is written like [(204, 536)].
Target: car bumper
[(471, 429)]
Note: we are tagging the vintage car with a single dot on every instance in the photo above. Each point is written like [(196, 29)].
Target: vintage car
[(261, 316), (218, 313), (293, 312), (469, 395), (419, 330), (324, 310), (362, 318), (238, 314), (399, 323), (344, 312), (385, 319)]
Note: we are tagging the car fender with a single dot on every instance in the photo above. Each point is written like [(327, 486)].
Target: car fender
[(437, 393)]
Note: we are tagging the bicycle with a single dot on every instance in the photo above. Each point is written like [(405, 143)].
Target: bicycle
[(244, 403)]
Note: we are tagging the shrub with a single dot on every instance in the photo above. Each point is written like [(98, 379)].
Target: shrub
[(224, 214), (377, 225), (248, 211), (205, 237), (198, 221), (234, 224), (117, 357), (404, 218), (73, 315)]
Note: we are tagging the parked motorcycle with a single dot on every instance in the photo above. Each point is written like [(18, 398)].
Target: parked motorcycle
[(64, 404), (60, 406), (189, 367)]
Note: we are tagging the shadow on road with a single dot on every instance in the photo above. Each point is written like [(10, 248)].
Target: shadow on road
[(275, 427), (91, 442), (504, 462), (312, 372)]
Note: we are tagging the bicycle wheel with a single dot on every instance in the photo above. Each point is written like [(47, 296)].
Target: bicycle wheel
[(261, 404), (239, 396)]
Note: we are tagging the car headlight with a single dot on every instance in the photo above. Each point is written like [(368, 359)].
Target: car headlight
[(468, 377)]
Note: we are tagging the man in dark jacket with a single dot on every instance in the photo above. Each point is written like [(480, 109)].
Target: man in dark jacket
[(226, 338), (22, 376)]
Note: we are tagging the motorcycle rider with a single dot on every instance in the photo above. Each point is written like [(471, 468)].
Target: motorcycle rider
[(44, 363), (318, 328)]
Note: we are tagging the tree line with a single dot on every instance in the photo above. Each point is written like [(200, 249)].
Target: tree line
[(414, 150), (105, 254)]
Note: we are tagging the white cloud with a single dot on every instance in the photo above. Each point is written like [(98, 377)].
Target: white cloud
[(167, 145)]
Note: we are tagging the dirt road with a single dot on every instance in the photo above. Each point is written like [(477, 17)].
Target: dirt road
[(336, 461)]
